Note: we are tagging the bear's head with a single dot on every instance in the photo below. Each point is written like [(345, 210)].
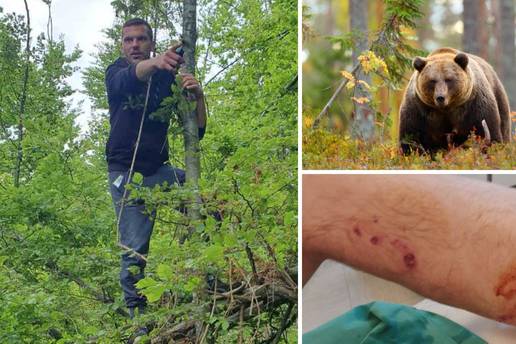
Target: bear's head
[(443, 79)]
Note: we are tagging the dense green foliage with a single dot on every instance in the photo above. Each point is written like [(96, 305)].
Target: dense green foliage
[(59, 260)]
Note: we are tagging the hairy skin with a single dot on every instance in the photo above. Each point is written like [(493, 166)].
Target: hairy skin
[(448, 238)]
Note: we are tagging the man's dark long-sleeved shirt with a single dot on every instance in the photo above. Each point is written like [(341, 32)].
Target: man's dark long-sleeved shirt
[(126, 98)]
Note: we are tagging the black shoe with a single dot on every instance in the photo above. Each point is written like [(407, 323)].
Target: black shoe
[(138, 334), (141, 331)]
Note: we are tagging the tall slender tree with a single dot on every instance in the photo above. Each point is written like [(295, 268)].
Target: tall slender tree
[(475, 35), (23, 99), (508, 51), (189, 119), (363, 123)]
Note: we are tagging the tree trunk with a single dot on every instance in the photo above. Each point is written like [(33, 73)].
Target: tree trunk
[(508, 53), (474, 33), (496, 51), (190, 126), (363, 123), (424, 28), (23, 97)]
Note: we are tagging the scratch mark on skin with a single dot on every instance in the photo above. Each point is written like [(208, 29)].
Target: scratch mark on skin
[(507, 285), (399, 245), (357, 230), (508, 318), (375, 219)]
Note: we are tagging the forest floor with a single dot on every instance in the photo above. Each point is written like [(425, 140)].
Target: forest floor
[(329, 151)]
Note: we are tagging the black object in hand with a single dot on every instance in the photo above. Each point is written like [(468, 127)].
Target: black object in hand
[(180, 51)]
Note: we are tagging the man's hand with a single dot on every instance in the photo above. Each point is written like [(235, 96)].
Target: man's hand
[(191, 85), (169, 60)]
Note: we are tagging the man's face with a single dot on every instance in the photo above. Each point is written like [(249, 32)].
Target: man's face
[(136, 43)]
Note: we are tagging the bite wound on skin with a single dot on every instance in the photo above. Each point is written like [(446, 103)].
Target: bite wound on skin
[(357, 230), (409, 259), (506, 286), (375, 240)]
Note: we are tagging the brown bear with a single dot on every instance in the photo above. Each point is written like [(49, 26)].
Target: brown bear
[(447, 97)]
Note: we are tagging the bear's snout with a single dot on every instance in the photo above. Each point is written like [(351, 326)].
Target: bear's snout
[(440, 101), (441, 90)]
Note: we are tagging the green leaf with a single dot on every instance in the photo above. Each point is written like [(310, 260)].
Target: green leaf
[(165, 272), (146, 283), (137, 178), (192, 284), (154, 293), (214, 253), (134, 270), (290, 218), (224, 324)]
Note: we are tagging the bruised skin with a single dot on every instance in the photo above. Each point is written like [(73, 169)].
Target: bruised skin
[(507, 285), (506, 288), (443, 237)]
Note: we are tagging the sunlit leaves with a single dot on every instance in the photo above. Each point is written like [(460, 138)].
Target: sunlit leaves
[(177, 104), (360, 100), (371, 63)]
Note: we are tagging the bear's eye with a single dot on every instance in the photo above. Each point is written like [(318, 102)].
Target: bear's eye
[(432, 82), (448, 80)]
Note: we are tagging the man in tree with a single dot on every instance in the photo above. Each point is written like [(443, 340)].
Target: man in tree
[(127, 82)]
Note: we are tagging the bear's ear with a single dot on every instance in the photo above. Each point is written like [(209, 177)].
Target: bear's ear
[(462, 60), (419, 63)]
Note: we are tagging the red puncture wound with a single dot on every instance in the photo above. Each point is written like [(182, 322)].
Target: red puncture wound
[(410, 260), (357, 230), (374, 240)]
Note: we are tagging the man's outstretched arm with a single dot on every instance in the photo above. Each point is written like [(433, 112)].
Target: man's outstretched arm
[(448, 238), (169, 61)]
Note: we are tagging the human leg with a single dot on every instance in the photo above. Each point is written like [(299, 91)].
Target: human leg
[(135, 229)]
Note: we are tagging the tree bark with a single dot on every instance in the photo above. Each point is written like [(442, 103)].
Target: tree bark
[(363, 123), (23, 98), (190, 125), (508, 52), (475, 34), (496, 53)]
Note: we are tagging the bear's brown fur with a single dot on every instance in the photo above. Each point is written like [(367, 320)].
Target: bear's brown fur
[(447, 97)]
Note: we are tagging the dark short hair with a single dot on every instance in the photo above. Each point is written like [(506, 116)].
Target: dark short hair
[(137, 22)]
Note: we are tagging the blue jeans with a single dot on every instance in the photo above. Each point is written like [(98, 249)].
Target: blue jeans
[(136, 227)]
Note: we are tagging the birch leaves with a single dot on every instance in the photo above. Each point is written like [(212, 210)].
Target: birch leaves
[(369, 62)]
